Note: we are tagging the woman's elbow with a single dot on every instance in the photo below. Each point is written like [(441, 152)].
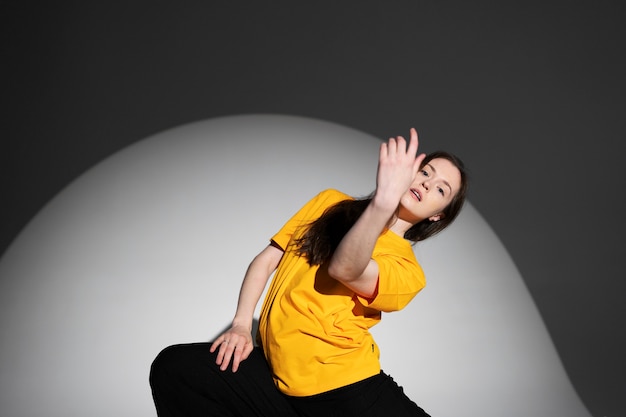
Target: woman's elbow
[(364, 283), (337, 271), (344, 272)]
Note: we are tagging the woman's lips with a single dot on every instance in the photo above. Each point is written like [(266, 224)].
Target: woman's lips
[(417, 194)]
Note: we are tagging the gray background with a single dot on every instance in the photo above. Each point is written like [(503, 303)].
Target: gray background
[(529, 94)]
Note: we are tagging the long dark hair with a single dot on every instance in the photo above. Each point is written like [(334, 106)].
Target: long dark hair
[(323, 235)]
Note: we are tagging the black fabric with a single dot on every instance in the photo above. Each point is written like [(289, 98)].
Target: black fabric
[(377, 396), (186, 382)]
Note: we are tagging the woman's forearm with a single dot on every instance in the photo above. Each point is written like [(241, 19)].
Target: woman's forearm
[(255, 279), (352, 262)]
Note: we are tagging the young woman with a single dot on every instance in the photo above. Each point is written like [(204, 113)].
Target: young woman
[(337, 263)]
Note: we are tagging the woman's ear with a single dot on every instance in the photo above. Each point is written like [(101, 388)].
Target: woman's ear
[(436, 217)]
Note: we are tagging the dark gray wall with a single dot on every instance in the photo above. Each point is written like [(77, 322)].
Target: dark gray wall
[(530, 94)]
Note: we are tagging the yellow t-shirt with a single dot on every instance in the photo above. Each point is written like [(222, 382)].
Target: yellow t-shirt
[(314, 330)]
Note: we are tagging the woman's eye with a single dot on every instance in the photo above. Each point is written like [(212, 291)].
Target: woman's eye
[(441, 191), (424, 173)]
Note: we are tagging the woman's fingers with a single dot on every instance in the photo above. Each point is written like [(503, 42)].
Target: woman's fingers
[(397, 167), (218, 342), (240, 354), (225, 354), (233, 347), (413, 142), (235, 351), (397, 148), (393, 146)]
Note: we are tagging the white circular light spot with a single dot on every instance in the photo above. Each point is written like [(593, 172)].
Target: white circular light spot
[(149, 247)]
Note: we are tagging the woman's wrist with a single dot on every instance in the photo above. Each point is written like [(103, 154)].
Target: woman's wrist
[(241, 322), (384, 206)]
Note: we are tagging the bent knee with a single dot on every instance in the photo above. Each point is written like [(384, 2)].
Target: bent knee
[(169, 361)]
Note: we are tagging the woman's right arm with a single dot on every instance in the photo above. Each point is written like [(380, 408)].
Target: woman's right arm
[(237, 343)]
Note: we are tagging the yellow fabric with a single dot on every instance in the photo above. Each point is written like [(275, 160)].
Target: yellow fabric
[(314, 330)]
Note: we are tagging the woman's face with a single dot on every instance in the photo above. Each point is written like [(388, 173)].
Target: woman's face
[(434, 187)]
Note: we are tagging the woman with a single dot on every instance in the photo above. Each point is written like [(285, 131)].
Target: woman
[(337, 263)]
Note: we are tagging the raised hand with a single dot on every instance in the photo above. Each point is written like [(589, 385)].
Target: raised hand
[(397, 167)]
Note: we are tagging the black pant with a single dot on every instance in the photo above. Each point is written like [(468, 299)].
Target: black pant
[(186, 382)]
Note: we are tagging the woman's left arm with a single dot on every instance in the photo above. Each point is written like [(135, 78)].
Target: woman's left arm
[(352, 262)]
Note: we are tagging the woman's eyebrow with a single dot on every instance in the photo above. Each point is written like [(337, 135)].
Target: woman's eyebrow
[(444, 181)]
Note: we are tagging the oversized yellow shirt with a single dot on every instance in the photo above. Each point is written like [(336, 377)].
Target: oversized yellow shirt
[(314, 330)]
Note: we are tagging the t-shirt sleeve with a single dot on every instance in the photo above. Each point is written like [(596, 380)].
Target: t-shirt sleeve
[(313, 209), (400, 278)]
